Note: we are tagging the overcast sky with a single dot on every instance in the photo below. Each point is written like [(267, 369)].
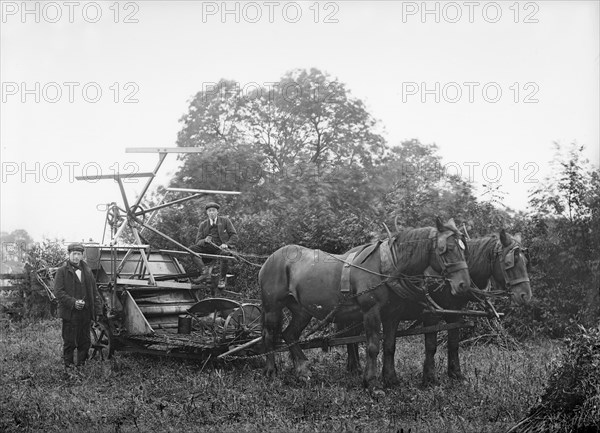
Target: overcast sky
[(492, 84)]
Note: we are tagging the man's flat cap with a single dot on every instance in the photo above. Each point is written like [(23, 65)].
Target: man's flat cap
[(75, 247)]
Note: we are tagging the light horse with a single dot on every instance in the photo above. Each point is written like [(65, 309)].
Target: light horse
[(500, 259), (309, 283)]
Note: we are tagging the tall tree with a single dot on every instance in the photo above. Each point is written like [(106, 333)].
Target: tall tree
[(310, 117), (305, 117), (565, 193), (299, 149), (213, 117), (417, 189)]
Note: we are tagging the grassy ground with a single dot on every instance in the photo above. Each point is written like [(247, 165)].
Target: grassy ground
[(135, 393)]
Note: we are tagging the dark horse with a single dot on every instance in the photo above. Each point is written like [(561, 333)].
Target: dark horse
[(309, 283), (500, 259)]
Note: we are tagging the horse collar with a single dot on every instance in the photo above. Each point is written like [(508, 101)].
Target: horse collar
[(388, 261)]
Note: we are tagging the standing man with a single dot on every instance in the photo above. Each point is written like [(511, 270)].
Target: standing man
[(78, 303), (215, 236)]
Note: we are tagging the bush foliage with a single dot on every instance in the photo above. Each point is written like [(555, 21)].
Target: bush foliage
[(571, 402)]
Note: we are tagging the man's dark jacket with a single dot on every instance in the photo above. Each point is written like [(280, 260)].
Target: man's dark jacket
[(227, 232), (64, 290)]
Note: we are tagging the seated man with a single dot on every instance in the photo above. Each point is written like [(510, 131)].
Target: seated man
[(215, 236)]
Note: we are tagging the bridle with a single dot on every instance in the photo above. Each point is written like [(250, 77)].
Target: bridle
[(441, 249), (507, 255)]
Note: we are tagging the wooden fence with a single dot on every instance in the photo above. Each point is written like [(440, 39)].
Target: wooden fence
[(11, 295)]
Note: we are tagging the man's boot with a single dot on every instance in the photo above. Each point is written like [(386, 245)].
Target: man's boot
[(198, 262), (201, 268), (223, 275)]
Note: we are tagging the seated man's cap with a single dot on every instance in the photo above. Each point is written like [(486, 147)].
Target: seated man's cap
[(212, 204), (76, 247)]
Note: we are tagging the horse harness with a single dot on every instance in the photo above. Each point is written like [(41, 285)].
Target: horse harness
[(401, 285), (507, 256), (441, 249)]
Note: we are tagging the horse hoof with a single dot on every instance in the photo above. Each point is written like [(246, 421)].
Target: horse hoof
[(459, 377), (304, 379), (377, 393), (303, 376)]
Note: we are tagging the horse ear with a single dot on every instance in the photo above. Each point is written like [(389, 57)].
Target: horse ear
[(439, 224), (504, 238), (396, 224), (387, 230), (451, 223), (517, 237)]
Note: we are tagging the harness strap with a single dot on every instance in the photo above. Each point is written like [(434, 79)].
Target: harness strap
[(457, 266), (440, 248), (345, 278), (518, 281)]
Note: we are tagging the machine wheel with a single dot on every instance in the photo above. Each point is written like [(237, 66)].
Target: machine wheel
[(227, 321), (244, 322), (102, 341)]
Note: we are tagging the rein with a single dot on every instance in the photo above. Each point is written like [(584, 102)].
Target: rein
[(240, 256)]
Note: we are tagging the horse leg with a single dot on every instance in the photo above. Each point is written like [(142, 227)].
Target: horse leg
[(353, 360), (372, 324), (390, 325), (453, 360), (271, 326), (300, 318), (429, 375)]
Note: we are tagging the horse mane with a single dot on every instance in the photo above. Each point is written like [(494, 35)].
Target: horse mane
[(411, 244), (412, 235), (480, 251)]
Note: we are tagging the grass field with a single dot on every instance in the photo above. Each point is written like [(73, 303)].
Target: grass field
[(136, 393)]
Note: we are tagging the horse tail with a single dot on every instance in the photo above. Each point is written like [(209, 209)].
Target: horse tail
[(273, 279)]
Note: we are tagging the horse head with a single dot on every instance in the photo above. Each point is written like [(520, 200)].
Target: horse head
[(510, 271), (449, 257)]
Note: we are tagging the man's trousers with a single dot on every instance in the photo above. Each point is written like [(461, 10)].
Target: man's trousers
[(76, 337)]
